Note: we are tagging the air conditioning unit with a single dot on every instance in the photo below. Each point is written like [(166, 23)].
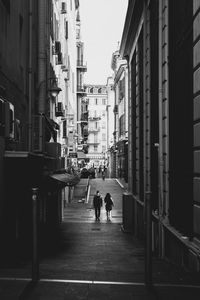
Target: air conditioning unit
[(9, 120), (63, 8), (38, 133)]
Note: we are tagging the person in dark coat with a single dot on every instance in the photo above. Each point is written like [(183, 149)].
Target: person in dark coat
[(97, 203), (109, 204)]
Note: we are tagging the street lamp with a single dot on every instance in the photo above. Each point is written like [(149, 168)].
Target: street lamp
[(54, 89)]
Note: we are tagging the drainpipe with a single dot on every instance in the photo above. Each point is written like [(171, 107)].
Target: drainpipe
[(160, 146), (30, 74), (41, 92), (41, 56)]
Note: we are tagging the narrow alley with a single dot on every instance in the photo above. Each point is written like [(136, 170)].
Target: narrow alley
[(85, 259), (91, 250), (99, 95)]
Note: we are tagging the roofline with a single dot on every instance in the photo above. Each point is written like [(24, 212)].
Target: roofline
[(129, 14), (133, 19)]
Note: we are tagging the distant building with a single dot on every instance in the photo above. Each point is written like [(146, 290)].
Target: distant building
[(110, 114), (119, 150), (81, 69), (110, 128), (97, 123)]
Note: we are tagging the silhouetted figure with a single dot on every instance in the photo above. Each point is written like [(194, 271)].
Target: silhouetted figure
[(97, 203), (109, 204)]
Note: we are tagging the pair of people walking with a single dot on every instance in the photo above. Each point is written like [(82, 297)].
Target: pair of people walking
[(98, 203)]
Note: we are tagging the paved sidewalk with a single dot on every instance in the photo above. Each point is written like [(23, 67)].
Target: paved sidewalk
[(90, 260)]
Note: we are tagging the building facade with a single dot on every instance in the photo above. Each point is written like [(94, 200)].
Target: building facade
[(161, 45), (97, 123), (110, 126), (81, 69), (120, 149), (38, 111)]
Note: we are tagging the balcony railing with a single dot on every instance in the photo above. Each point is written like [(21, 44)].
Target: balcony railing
[(94, 118), (85, 132), (81, 90), (93, 130), (84, 116), (93, 142)]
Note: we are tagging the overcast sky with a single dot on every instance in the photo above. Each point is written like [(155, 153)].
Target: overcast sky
[(102, 23)]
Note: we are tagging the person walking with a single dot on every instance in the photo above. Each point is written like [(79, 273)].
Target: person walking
[(109, 204), (103, 175), (97, 203)]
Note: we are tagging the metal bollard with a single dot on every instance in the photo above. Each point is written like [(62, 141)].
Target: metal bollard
[(35, 258), (148, 240)]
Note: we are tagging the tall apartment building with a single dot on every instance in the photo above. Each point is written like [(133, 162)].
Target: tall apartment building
[(70, 73), (81, 69), (18, 73), (97, 123), (38, 110), (66, 14)]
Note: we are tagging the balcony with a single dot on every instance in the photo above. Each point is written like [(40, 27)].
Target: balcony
[(91, 130), (81, 65), (85, 132), (84, 116), (81, 90), (94, 118), (93, 143)]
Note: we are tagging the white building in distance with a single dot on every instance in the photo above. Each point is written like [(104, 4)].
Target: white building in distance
[(97, 123)]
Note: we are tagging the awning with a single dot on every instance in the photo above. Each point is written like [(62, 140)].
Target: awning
[(65, 179)]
